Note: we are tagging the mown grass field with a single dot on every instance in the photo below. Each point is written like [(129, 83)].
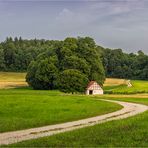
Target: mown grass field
[(12, 76), (24, 108), (130, 132), (114, 82), (12, 80)]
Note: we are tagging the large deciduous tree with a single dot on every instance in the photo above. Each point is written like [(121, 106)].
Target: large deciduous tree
[(42, 75), (72, 80)]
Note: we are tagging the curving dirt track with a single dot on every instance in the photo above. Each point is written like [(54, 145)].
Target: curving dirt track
[(128, 110)]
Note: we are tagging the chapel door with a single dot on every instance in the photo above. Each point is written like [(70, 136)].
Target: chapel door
[(90, 92)]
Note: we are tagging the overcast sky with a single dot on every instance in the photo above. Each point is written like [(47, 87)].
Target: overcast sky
[(112, 23)]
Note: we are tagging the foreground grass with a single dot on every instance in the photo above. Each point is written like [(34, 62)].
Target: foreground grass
[(22, 108), (137, 87), (131, 132)]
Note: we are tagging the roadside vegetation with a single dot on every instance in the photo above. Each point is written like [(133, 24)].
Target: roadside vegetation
[(131, 132)]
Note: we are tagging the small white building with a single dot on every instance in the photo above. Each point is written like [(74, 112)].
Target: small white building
[(94, 88)]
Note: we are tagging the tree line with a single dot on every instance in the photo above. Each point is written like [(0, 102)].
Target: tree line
[(16, 55), (122, 65)]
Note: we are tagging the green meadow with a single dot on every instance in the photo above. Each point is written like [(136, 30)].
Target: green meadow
[(23, 108), (130, 132), (26, 108)]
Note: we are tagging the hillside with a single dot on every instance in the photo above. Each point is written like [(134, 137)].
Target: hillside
[(119, 86)]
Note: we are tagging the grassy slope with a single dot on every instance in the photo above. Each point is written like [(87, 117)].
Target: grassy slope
[(21, 109), (138, 87), (129, 132)]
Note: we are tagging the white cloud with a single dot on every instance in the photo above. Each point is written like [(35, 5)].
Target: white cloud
[(65, 14), (70, 20)]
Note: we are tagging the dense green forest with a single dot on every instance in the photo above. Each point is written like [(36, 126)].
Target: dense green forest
[(122, 65), (16, 54)]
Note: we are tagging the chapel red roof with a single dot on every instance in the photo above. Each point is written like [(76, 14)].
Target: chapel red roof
[(90, 83)]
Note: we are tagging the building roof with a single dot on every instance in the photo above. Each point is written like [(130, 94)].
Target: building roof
[(91, 83)]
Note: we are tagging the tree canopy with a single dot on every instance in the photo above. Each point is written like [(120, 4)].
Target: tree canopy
[(72, 80), (122, 65), (68, 67), (47, 59)]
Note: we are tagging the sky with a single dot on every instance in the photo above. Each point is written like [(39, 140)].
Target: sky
[(112, 23)]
